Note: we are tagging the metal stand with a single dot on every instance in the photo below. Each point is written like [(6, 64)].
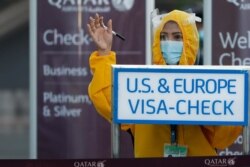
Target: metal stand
[(115, 140), (246, 130), (246, 140)]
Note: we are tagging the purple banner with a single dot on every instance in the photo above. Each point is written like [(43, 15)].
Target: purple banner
[(231, 35), (231, 43), (68, 125)]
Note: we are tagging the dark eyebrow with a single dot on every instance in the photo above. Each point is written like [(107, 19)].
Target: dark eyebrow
[(177, 33)]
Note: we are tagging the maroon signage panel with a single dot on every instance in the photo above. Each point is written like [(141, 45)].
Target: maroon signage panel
[(231, 42), (68, 125), (231, 32)]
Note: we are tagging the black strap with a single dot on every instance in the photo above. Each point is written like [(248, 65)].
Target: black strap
[(132, 137), (173, 134)]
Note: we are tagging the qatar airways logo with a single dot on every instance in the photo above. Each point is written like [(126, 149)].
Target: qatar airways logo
[(241, 4), (222, 162), (92, 6), (89, 163)]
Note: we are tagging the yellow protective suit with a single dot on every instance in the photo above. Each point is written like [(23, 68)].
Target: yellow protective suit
[(150, 139)]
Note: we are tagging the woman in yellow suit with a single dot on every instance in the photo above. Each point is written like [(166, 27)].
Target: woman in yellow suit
[(175, 42)]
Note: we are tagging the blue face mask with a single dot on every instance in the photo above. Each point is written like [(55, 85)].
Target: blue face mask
[(171, 51)]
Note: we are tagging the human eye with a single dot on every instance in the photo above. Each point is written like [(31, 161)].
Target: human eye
[(178, 37), (163, 36)]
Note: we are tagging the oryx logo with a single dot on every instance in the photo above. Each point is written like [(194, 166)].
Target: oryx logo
[(241, 4), (101, 163), (231, 161), (123, 5)]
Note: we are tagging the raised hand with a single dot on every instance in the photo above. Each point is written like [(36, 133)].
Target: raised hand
[(102, 36)]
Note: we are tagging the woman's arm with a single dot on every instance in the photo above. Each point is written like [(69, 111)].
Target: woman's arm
[(221, 137)]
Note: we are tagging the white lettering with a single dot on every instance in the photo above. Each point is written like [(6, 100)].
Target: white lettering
[(230, 152), (232, 59), (64, 71), (242, 42), (87, 164), (216, 162), (46, 37), (56, 3), (52, 37), (239, 140), (62, 98), (245, 6), (66, 3), (230, 41), (63, 111)]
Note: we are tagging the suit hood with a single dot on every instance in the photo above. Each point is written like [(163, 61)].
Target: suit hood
[(186, 23)]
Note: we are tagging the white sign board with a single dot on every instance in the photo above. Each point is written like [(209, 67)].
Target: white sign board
[(180, 95)]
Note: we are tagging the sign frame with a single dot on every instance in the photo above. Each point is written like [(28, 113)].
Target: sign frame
[(117, 69)]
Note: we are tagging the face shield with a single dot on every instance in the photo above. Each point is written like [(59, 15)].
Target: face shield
[(167, 52)]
